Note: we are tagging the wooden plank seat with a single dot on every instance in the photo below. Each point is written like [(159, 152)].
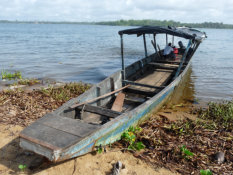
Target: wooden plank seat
[(167, 62), (134, 99), (99, 110), (164, 66), (135, 90), (56, 132), (143, 85)]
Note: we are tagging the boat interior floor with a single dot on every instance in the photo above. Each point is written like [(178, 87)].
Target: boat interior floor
[(135, 95)]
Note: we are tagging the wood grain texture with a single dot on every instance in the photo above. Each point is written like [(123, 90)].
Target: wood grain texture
[(49, 136), (118, 103), (71, 126)]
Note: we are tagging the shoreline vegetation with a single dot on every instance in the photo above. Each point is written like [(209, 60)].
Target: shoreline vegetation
[(144, 22), (181, 135)]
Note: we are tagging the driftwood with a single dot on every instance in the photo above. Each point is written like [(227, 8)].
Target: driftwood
[(102, 96)]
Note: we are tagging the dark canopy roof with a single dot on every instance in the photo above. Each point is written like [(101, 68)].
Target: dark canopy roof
[(183, 32)]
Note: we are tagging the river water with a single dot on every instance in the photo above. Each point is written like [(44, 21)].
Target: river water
[(90, 53)]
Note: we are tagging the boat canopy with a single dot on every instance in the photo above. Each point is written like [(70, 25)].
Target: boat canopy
[(184, 32)]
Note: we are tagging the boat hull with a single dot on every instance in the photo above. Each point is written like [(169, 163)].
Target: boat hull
[(110, 131), (113, 130)]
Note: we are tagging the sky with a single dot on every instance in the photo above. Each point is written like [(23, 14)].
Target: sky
[(193, 11)]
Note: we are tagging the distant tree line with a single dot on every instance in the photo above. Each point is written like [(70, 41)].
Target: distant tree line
[(132, 22), (166, 23), (45, 22)]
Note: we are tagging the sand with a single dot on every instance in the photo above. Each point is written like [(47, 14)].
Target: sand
[(11, 156)]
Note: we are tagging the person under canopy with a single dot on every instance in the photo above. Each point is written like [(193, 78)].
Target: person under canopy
[(168, 51)]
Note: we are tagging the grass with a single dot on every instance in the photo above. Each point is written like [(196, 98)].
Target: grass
[(11, 76), (65, 92), (18, 75), (28, 82), (220, 115)]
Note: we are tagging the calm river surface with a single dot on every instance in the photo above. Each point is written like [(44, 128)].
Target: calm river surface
[(90, 53)]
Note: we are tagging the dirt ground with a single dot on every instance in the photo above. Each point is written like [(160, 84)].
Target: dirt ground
[(20, 108), (11, 156)]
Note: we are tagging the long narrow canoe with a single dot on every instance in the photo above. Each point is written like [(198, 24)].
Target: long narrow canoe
[(104, 112)]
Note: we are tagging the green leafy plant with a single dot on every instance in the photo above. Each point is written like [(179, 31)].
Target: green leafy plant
[(99, 150), (181, 127), (185, 152), (129, 137), (206, 172), (11, 76), (22, 167)]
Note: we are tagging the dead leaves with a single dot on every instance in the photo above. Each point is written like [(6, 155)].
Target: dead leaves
[(22, 108), (163, 138)]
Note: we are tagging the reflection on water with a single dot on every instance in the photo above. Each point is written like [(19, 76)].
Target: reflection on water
[(184, 92), (90, 53)]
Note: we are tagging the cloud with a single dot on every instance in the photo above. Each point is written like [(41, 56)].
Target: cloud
[(104, 10)]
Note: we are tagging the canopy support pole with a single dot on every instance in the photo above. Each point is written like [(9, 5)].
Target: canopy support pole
[(172, 40), (122, 59), (144, 39), (166, 40), (183, 59), (156, 50), (195, 48)]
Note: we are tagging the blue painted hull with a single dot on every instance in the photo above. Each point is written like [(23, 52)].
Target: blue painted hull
[(112, 131), (108, 132)]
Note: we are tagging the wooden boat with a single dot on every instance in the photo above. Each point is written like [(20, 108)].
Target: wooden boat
[(104, 112)]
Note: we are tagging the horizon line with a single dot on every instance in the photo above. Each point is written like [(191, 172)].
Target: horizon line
[(43, 21)]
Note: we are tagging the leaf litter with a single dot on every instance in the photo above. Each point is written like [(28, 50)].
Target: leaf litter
[(164, 139), (20, 107)]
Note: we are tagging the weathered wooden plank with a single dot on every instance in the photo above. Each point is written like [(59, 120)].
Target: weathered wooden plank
[(100, 110), (118, 103), (161, 66), (135, 99), (140, 91), (164, 79), (164, 64), (51, 137), (65, 124), (167, 62), (144, 85), (154, 79)]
